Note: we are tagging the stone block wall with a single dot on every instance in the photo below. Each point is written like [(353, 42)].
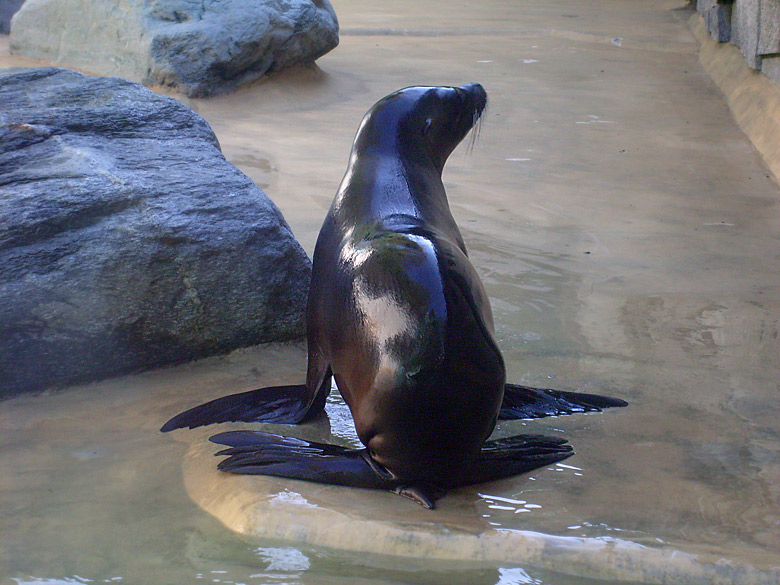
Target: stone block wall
[(752, 25), (7, 9)]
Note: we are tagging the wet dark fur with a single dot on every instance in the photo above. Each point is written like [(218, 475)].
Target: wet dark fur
[(398, 315)]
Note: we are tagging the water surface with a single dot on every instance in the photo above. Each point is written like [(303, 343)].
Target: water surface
[(629, 237)]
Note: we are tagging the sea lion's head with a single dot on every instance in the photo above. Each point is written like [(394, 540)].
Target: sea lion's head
[(424, 123)]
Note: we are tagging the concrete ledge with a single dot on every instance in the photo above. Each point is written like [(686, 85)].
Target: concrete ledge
[(753, 98), (363, 521)]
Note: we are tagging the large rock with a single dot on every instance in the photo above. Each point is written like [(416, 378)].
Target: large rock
[(202, 47), (127, 241), (7, 9)]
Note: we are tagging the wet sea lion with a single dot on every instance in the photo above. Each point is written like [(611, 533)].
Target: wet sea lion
[(398, 315)]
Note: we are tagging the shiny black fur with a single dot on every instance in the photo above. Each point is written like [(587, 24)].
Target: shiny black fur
[(398, 314)]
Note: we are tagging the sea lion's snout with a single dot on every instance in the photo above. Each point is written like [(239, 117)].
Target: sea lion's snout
[(474, 89), (476, 94)]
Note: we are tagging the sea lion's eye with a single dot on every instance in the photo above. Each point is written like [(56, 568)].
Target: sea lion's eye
[(428, 124)]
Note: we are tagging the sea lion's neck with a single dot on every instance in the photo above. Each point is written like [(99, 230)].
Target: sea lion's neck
[(379, 185)]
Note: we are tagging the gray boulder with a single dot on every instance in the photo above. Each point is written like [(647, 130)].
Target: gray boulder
[(201, 47), (7, 9), (127, 241)]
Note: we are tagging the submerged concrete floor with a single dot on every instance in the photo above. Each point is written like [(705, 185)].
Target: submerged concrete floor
[(628, 234)]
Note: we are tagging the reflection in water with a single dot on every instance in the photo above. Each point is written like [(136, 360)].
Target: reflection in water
[(508, 504), (290, 498), (283, 559), (515, 577), (284, 565), (75, 580)]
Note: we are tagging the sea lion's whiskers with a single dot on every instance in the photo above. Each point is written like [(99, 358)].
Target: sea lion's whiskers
[(476, 128)]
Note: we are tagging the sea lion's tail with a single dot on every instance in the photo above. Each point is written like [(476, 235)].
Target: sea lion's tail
[(525, 402), (275, 404)]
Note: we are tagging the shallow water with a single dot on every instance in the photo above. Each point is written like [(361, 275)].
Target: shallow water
[(628, 235)]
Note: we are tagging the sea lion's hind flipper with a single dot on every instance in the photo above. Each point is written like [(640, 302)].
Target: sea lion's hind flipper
[(275, 404), (259, 453), (426, 496), (515, 455), (525, 402)]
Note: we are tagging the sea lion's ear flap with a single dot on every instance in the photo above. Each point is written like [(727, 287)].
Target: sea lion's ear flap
[(428, 124)]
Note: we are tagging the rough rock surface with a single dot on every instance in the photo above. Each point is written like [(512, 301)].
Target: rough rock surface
[(769, 28), (202, 47), (7, 9), (127, 241), (752, 25), (745, 29), (717, 18)]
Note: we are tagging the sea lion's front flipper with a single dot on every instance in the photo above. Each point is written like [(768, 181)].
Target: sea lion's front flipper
[(275, 404), (515, 455), (525, 402), (259, 453)]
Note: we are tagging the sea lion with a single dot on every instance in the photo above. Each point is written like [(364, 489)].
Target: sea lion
[(398, 315)]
